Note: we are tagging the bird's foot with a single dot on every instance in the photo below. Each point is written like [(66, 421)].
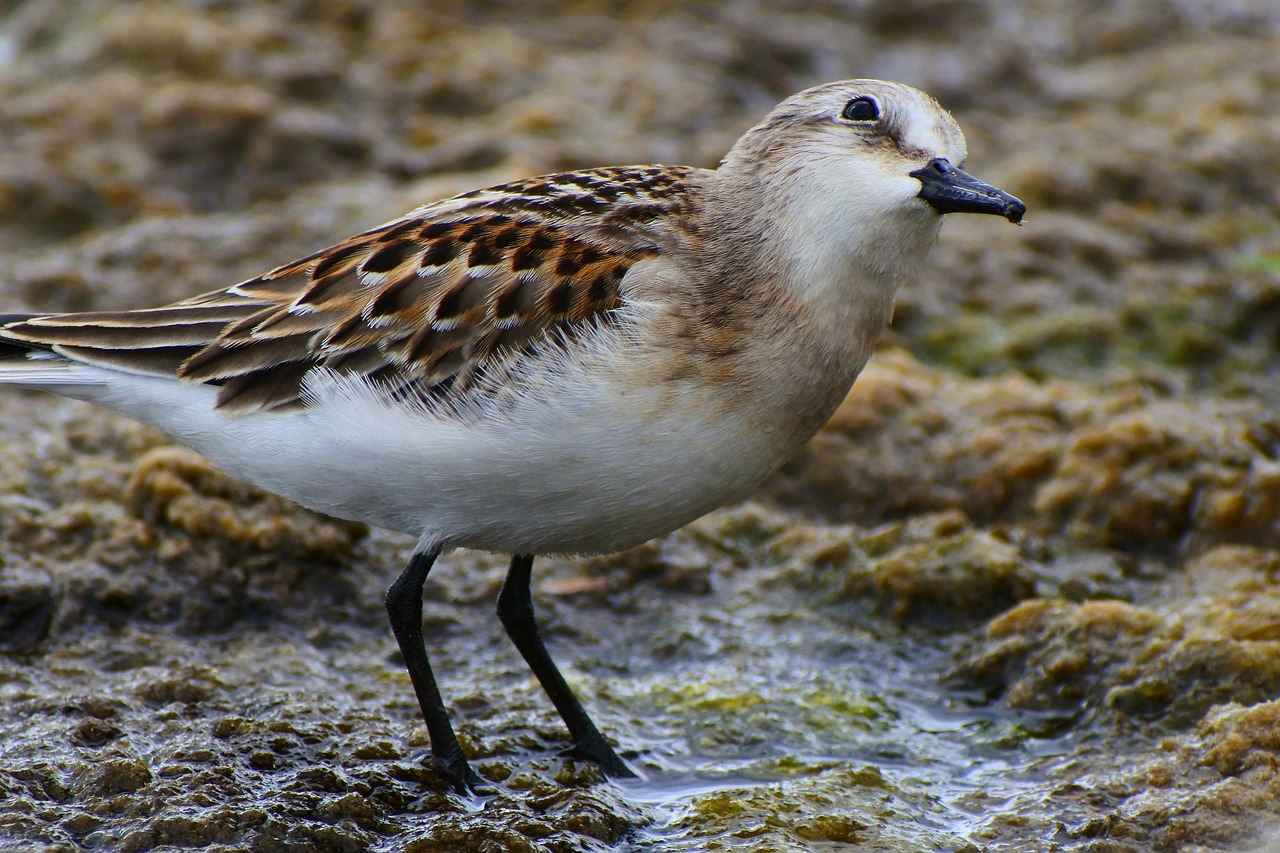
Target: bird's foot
[(461, 778), (598, 752)]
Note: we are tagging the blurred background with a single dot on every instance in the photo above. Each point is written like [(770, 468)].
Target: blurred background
[(1139, 133), (1019, 595)]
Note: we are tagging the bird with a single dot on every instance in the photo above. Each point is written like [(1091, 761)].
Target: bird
[(574, 363)]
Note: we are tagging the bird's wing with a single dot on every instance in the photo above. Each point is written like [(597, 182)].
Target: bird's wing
[(417, 305)]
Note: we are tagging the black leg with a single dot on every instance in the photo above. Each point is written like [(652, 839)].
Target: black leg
[(404, 607), (515, 609)]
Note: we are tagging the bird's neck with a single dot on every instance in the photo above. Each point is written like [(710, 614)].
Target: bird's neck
[(818, 292), (833, 255)]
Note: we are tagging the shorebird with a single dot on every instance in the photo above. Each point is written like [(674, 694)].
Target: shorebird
[(572, 363)]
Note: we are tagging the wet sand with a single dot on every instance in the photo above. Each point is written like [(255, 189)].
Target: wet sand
[(1019, 595)]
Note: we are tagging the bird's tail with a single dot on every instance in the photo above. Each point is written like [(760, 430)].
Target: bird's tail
[(29, 363), (9, 348)]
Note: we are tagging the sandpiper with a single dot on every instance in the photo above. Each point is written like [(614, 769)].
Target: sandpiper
[(573, 363)]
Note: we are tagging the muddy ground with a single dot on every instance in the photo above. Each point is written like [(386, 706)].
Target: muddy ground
[(1020, 595)]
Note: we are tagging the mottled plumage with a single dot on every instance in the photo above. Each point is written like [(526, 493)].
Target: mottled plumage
[(419, 303)]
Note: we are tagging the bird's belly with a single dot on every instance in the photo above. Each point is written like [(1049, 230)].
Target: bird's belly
[(544, 481), (588, 458)]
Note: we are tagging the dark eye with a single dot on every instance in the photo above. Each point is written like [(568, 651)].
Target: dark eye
[(861, 109)]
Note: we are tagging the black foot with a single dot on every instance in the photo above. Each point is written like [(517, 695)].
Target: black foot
[(462, 779), (599, 753), (404, 609), (515, 609)]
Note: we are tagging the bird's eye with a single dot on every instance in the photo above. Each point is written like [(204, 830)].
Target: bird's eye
[(861, 109)]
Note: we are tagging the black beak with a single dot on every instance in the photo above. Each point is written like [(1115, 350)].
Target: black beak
[(951, 190)]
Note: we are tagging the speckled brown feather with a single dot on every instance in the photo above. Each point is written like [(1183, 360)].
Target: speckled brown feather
[(418, 304)]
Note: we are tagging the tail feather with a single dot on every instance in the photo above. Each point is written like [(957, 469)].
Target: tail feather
[(30, 364), (9, 348)]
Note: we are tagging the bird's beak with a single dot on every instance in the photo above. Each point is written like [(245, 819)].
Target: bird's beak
[(951, 190)]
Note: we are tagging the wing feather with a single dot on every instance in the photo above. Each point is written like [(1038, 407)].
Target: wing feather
[(421, 303)]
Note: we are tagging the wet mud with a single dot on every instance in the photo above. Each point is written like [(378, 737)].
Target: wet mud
[(1021, 594)]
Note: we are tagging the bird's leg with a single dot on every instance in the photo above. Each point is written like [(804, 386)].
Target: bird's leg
[(515, 609), (404, 607)]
